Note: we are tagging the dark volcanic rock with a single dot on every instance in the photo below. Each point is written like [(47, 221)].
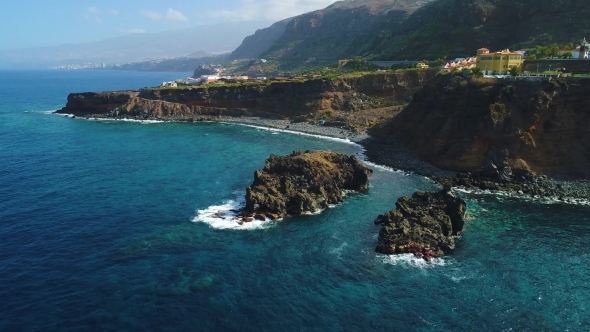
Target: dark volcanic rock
[(304, 182), (424, 225)]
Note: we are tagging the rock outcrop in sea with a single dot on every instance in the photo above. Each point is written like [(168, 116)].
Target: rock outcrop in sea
[(424, 225), (303, 182)]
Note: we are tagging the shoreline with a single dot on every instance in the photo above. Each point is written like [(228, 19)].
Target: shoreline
[(378, 152)]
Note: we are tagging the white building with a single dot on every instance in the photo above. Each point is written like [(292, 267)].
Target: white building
[(578, 54), (209, 78)]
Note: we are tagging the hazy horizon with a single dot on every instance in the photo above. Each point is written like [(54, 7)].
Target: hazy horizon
[(65, 22)]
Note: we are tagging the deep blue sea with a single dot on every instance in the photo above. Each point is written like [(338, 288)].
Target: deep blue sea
[(106, 226)]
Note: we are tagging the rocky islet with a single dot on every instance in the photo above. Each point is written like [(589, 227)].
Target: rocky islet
[(303, 182), (425, 225)]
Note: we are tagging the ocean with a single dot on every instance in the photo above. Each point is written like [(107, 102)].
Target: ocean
[(106, 225)]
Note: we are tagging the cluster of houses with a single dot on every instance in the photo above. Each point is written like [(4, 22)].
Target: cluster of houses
[(490, 63), (502, 62), (460, 64), (205, 79)]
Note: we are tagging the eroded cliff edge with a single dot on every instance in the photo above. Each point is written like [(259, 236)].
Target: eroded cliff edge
[(462, 124), (355, 101)]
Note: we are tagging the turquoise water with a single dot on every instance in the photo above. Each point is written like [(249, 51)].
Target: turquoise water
[(103, 226)]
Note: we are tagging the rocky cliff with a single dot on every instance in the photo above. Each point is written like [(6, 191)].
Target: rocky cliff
[(341, 100), (304, 182), (464, 124)]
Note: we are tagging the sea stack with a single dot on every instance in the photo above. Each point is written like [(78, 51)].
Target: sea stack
[(304, 182), (424, 225)]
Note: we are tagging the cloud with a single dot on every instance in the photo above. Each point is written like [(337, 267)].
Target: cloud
[(92, 13), (169, 15), (131, 31), (113, 12), (250, 10), (175, 15)]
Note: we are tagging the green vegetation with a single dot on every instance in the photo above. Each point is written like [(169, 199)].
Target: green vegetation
[(515, 71), (477, 72), (550, 51)]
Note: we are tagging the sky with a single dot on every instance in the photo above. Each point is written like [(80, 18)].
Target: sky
[(34, 23)]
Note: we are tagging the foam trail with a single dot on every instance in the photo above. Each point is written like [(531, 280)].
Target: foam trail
[(106, 119), (524, 197), (412, 261), (341, 140), (225, 216), (383, 167)]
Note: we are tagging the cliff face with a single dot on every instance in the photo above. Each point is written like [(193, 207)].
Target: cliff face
[(339, 99), (97, 102), (460, 124)]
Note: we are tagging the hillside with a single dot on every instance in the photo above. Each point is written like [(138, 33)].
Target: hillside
[(253, 46), (456, 28), (415, 30), (325, 36)]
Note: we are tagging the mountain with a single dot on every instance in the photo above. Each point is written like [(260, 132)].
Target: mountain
[(333, 33), (216, 38)]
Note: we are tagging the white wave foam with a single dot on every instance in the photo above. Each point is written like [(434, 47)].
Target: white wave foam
[(225, 216), (383, 167), (525, 197), (125, 120), (338, 251), (341, 140), (412, 261)]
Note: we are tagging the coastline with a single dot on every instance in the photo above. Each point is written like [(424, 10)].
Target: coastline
[(386, 154)]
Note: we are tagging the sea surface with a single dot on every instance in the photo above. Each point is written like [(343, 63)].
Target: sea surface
[(106, 226)]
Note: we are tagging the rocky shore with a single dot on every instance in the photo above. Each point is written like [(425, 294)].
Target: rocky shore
[(299, 127)]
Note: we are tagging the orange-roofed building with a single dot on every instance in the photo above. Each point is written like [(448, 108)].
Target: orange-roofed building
[(498, 63)]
